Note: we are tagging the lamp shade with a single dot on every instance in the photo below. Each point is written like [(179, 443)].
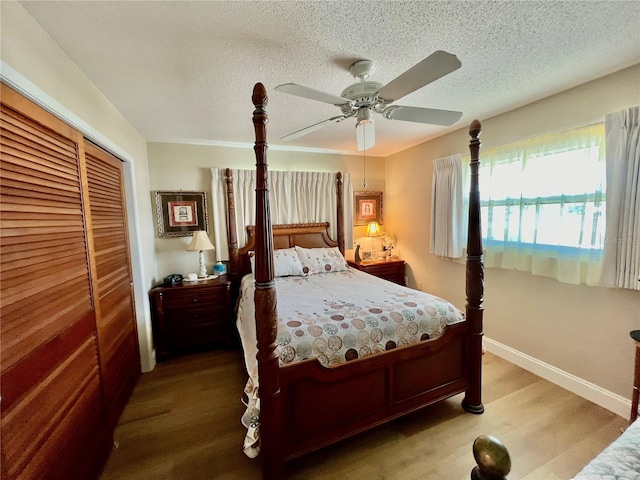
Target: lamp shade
[(373, 230), (200, 241)]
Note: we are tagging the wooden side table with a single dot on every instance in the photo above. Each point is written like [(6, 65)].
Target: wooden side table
[(392, 270), (635, 334), (190, 315)]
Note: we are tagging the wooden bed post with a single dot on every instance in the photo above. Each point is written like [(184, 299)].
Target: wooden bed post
[(340, 213), (474, 281), (232, 231), (265, 303)]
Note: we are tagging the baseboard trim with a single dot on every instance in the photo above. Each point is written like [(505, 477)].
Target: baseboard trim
[(606, 399)]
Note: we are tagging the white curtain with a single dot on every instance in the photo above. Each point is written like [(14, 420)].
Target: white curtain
[(447, 207), (543, 205), (621, 260), (294, 197)]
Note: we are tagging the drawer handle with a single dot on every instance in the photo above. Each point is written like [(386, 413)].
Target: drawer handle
[(195, 300)]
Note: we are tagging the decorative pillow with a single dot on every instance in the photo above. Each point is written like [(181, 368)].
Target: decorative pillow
[(287, 262), (321, 260)]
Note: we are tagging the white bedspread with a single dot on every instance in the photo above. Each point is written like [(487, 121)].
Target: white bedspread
[(619, 461), (337, 317)]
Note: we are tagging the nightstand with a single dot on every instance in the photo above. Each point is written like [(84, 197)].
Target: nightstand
[(191, 315), (392, 270)]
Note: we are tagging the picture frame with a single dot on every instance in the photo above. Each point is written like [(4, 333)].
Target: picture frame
[(367, 207), (180, 213)]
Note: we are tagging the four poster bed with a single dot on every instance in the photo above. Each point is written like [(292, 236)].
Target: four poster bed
[(344, 388)]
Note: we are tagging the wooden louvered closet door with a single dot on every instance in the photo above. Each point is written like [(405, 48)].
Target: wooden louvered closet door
[(53, 423), (115, 319), (68, 342)]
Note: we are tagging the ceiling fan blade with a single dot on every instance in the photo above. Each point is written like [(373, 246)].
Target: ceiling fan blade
[(311, 94), (435, 66), (365, 135), (422, 115), (312, 128)]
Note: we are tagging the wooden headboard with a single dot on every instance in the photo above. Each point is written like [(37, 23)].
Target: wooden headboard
[(306, 235)]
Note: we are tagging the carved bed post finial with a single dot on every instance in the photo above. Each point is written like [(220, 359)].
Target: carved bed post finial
[(265, 303), (492, 457), (340, 212), (475, 127), (474, 280)]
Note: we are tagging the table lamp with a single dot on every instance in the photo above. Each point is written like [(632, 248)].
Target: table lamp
[(374, 231), (200, 242)]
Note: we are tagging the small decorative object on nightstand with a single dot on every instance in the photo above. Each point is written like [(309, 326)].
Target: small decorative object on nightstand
[(389, 269), (219, 269), (190, 315), (387, 245), (635, 334)]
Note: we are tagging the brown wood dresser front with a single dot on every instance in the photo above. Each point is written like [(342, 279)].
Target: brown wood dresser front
[(190, 315)]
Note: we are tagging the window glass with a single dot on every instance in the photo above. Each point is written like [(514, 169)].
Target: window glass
[(544, 198)]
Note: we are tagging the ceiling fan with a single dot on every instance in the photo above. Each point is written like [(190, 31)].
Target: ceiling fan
[(365, 97)]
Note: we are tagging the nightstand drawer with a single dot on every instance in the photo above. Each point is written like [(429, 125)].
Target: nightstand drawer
[(194, 299), (197, 315), (385, 271), (392, 270), (187, 335)]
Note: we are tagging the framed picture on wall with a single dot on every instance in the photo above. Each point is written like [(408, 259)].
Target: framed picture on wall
[(367, 207), (179, 214)]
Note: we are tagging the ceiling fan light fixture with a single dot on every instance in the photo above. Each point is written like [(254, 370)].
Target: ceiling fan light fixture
[(364, 115), (365, 135)]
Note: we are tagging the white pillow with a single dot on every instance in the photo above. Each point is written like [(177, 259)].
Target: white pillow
[(321, 260), (286, 262)]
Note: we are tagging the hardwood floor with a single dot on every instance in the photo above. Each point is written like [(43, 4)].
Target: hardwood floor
[(183, 423)]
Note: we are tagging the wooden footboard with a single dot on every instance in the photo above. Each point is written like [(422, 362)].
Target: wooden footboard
[(322, 405)]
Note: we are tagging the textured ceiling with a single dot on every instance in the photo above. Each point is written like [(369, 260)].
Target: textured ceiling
[(183, 71)]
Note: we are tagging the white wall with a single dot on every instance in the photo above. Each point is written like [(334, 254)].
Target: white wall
[(582, 331), (33, 64), (188, 167)]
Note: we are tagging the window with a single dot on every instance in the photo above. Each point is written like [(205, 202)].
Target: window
[(543, 204)]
